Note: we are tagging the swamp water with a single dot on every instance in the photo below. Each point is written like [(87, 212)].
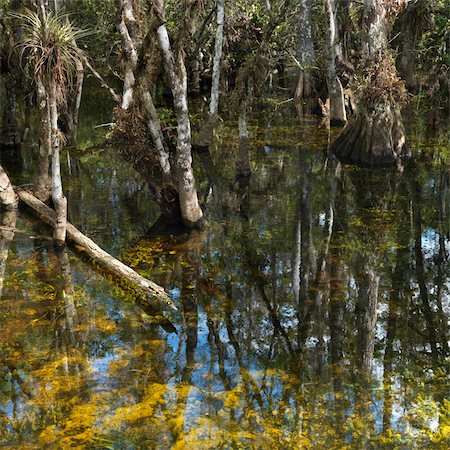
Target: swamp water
[(313, 309)]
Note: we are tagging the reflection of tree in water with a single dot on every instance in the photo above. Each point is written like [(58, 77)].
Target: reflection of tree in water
[(374, 191), (299, 279), (7, 229)]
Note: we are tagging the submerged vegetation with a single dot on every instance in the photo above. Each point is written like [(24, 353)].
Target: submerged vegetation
[(202, 143)]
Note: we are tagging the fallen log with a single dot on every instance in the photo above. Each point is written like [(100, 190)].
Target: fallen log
[(108, 261)]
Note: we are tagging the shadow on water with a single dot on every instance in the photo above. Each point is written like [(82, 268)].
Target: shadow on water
[(313, 307)]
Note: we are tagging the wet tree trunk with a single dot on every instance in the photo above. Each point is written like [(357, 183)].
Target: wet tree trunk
[(306, 53), (376, 137), (176, 73), (59, 201), (66, 297), (215, 88), (337, 308), (335, 89), (306, 253), (42, 181), (338, 282)]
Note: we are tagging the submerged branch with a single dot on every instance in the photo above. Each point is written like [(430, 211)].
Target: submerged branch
[(112, 264)]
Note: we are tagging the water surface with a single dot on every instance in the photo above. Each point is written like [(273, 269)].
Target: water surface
[(313, 309)]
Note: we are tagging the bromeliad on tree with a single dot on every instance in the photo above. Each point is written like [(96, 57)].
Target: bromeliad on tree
[(49, 46)]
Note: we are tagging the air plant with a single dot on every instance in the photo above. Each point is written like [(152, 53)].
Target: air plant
[(49, 46)]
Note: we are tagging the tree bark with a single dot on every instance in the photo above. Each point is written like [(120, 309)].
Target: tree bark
[(60, 202), (73, 106), (126, 24), (306, 52), (176, 73), (197, 67), (243, 109), (112, 264), (42, 181), (427, 310), (374, 33), (335, 89), (215, 87), (373, 140), (154, 126)]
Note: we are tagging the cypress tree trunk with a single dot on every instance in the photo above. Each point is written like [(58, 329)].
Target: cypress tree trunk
[(190, 208), (73, 106), (376, 137)]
